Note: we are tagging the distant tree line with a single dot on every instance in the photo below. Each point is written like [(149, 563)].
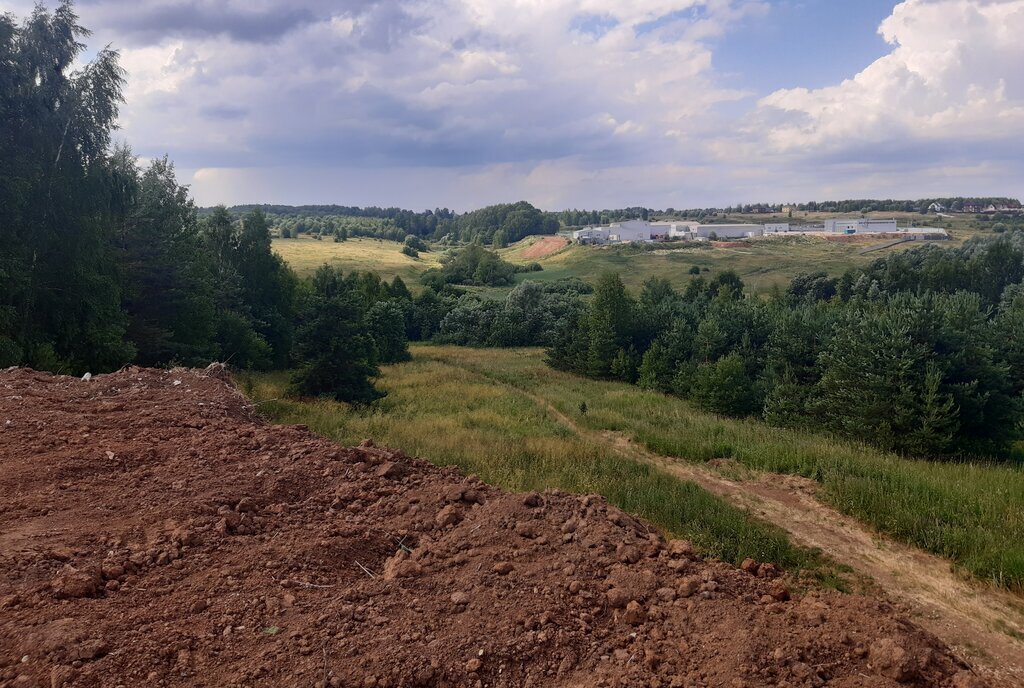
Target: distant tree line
[(497, 225)]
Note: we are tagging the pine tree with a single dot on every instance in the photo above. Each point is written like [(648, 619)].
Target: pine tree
[(337, 356)]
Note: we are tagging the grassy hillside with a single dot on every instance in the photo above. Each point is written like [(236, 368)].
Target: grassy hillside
[(763, 265), (440, 409), (485, 409), (305, 255)]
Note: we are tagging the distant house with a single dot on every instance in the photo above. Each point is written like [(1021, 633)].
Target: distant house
[(936, 208), (970, 207)]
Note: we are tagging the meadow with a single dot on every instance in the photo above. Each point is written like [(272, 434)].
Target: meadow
[(305, 254), (487, 411), (440, 410), (764, 265)]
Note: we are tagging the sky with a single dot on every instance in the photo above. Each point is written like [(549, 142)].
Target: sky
[(571, 103)]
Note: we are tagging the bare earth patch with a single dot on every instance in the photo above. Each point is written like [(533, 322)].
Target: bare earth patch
[(153, 531), (545, 247)]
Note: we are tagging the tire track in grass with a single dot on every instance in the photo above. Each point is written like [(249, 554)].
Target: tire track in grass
[(980, 622)]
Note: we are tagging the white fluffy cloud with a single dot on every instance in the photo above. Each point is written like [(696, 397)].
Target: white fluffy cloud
[(955, 75)]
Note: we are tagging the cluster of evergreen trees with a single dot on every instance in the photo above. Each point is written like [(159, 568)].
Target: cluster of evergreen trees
[(103, 264), (919, 352)]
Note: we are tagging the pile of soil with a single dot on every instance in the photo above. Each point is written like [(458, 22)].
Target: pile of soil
[(153, 532)]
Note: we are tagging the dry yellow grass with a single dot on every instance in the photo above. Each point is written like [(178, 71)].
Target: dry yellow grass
[(306, 254)]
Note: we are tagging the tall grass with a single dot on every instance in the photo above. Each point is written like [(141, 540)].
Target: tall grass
[(451, 415), (304, 254), (972, 513)]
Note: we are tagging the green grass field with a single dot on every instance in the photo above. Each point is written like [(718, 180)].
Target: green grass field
[(478, 408), (305, 254), (763, 265), (438, 409)]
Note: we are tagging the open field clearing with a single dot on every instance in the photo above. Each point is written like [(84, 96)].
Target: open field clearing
[(305, 254), (505, 415), (763, 264)]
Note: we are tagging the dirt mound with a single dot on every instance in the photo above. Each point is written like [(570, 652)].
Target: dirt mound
[(153, 532), (545, 247)]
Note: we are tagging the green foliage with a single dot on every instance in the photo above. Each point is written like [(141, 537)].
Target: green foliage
[(503, 224), (415, 243), (473, 265), (385, 323), (338, 357), (62, 198), (169, 292), (724, 387), (907, 355)]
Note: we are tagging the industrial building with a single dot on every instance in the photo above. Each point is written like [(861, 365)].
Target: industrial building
[(861, 226), (641, 230), (728, 231)]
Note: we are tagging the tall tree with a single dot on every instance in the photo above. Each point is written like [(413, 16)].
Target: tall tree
[(169, 281), (60, 198)]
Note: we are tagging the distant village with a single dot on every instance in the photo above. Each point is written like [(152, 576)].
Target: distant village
[(644, 231)]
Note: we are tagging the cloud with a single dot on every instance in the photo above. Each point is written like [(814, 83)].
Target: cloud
[(954, 77), (146, 22), (429, 83), (563, 102)]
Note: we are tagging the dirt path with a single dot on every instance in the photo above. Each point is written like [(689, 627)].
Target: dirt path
[(974, 619)]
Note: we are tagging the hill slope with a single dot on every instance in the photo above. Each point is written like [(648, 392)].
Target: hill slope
[(155, 532)]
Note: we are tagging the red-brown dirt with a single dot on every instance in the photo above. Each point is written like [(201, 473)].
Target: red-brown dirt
[(153, 532), (545, 247)]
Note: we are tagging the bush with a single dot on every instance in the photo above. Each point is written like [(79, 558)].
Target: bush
[(410, 251), (724, 387), (414, 242)]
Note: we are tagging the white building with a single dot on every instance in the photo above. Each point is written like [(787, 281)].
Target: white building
[(861, 226), (591, 235), (630, 230), (729, 231)]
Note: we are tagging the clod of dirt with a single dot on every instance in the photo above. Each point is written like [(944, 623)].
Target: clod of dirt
[(215, 549)]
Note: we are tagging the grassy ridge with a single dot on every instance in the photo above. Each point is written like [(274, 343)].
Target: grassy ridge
[(972, 513), (763, 265), (449, 414)]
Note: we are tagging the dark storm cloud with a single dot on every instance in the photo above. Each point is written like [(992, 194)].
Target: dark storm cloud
[(149, 22), (224, 112)]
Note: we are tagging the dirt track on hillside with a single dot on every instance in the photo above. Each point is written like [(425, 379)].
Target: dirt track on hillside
[(154, 533), (971, 617)]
